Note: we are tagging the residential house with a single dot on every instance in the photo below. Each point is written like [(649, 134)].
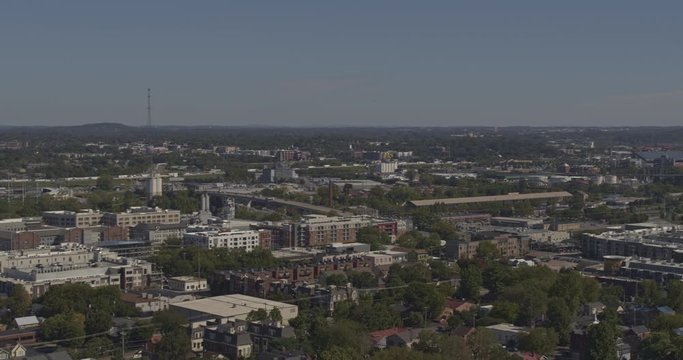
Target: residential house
[(379, 338), (507, 334), (17, 351), (406, 338), (263, 332), (26, 322), (453, 306), (229, 340)]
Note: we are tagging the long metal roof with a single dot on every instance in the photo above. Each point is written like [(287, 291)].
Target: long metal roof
[(482, 199)]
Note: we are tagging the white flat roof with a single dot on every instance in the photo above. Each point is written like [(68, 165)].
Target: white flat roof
[(230, 306)]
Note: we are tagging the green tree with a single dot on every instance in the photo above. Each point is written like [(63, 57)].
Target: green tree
[(69, 327), (337, 279), (540, 340), (344, 334), (440, 346), (424, 298), (559, 318), (441, 270), (174, 345), (602, 341), (275, 315), (611, 296), (488, 251), (97, 321), (674, 296), (19, 301), (340, 353), (484, 346), (506, 310), (167, 321), (650, 293), (470, 282), (362, 279), (142, 331), (95, 347), (373, 236), (532, 301), (495, 277), (257, 315), (105, 182), (658, 345)]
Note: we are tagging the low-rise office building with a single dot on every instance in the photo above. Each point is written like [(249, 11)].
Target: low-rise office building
[(63, 218), (158, 234), (187, 284)]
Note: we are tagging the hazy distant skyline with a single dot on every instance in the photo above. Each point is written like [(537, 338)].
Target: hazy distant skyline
[(338, 63)]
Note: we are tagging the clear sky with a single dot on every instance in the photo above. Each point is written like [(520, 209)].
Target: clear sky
[(343, 62)]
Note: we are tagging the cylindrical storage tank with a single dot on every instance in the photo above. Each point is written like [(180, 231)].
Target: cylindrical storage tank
[(612, 263)]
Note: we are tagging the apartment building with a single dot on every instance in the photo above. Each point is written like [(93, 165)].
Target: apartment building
[(231, 239), (657, 244), (139, 215), (508, 245), (37, 270), (320, 230), (268, 282)]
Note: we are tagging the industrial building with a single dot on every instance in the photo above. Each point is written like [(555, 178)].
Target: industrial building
[(232, 307), (557, 195)]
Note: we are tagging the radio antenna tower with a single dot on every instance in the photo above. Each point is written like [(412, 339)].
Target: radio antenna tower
[(149, 107)]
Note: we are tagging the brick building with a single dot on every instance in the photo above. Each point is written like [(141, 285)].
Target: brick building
[(508, 245)]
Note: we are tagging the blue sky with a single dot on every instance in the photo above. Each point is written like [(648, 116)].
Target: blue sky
[(338, 63)]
